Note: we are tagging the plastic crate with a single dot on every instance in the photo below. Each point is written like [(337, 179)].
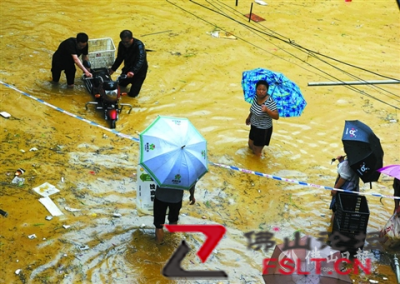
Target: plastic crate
[(101, 52), (346, 241), (352, 212)]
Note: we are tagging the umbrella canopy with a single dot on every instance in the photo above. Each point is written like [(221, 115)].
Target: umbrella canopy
[(326, 275), (173, 152), (287, 95), (392, 170), (363, 149)]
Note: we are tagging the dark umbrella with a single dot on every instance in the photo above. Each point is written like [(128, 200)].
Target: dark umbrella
[(301, 257), (363, 149)]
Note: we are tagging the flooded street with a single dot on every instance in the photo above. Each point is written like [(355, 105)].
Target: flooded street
[(102, 236)]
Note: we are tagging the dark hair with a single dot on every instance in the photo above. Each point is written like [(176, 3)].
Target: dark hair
[(126, 34), (82, 37), (262, 82)]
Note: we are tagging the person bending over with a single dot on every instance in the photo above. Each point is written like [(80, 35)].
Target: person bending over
[(67, 56), (132, 52)]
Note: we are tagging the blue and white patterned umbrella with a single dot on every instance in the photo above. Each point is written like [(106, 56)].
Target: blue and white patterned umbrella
[(173, 152), (287, 95)]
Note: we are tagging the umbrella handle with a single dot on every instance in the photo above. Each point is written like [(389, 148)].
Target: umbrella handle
[(340, 158), (273, 89)]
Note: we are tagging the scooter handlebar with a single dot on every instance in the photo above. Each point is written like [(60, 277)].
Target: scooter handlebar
[(90, 78), (122, 76)]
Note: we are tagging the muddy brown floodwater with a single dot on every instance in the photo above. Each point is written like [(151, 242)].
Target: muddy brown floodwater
[(193, 75)]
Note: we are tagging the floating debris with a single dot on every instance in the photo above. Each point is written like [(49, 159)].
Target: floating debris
[(48, 218), (33, 149), (46, 189), (3, 213), (51, 206), (18, 180), (19, 172), (222, 34), (33, 236), (72, 209), (18, 271), (5, 114), (261, 2), (66, 226), (84, 247)]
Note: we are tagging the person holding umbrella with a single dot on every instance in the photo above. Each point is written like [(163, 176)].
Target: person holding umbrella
[(174, 154), (168, 198), (346, 179), (393, 171), (262, 111)]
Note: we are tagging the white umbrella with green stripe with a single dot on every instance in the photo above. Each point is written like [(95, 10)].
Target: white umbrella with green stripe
[(173, 152)]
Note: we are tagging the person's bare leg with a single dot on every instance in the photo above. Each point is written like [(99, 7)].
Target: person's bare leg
[(159, 235), (251, 145), (257, 150)]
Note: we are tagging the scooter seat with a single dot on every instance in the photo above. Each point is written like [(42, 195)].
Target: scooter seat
[(100, 72)]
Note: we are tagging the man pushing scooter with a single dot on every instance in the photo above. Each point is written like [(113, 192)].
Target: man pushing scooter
[(133, 53)]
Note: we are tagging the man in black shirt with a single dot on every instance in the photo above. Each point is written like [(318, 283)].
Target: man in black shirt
[(133, 53), (67, 55)]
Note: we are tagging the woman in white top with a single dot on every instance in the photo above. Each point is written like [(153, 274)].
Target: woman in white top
[(347, 179)]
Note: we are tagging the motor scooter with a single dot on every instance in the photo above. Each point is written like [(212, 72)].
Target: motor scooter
[(107, 94)]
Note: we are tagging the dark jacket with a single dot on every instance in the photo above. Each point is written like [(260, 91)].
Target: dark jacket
[(134, 58)]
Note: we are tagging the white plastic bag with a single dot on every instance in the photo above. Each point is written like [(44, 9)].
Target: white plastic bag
[(390, 234)]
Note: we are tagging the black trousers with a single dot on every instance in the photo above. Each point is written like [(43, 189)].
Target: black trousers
[(136, 81), (69, 70), (160, 212)]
